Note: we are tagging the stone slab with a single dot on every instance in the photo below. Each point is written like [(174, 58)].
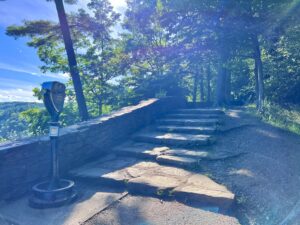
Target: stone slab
[(156, 180), (94, 172), (194, 189), (187, 129), (187, 153), (188, 122), (153, 185), (90, 202), (201, 111), (139, 149), (200, 189), (201, 155), (110, 172), (192, 116), (177, 160), (174, 139)]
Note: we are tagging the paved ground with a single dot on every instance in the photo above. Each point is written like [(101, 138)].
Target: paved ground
[(136, 210), (91, 200)]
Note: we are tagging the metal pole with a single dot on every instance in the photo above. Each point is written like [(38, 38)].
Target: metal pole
[(54, 129)]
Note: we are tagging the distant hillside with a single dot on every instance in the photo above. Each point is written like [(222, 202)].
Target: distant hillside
[(11, 127)]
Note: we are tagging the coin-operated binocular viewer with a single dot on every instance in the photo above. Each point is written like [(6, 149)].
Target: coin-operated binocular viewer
[(56, 191)]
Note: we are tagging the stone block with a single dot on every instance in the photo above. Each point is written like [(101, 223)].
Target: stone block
[(202, 190)]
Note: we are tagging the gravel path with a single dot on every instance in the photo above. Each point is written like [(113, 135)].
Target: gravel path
[(266, 178)]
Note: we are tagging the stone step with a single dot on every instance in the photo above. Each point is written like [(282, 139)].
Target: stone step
[(188, 122), (192, 116), (106, 171), (187, 129), (158, 153), (200, 189), (175, 139), (178, 161), (139, 150), (201, 111), (200, 155), (152, 179)]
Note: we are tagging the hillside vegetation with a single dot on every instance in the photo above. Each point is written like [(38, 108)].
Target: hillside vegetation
[(12, 124)]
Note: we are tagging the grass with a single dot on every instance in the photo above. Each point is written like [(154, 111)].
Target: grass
[(287, 117)]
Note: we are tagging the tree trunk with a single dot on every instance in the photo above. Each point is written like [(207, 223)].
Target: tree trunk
[(208, 84), (221, 82), (101, 80), (100, 104), (223, 51), (256, 82), (71, 59), (228, 87), (195, 91), (201, 84), (258, 73), (222, 72)]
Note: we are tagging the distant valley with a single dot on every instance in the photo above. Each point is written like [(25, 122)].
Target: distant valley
[(11, 126)]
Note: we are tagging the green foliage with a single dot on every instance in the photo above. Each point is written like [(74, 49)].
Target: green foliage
[(12, 127), (287, 117), (37, 120), (20, 119)]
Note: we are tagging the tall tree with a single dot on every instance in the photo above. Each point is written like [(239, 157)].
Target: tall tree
[(208, 80), (258, 70), (102, 57), (195, 88), (71, 59)]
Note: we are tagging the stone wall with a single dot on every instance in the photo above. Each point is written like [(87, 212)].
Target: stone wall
[(27, 161)]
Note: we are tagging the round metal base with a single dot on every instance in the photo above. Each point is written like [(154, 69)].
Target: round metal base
[(46, 195)]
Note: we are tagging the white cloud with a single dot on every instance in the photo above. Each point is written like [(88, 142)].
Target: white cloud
[(14, 68), (61, 76), (17, 95)]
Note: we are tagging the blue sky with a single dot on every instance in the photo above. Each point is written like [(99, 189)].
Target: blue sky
[(19, 64)]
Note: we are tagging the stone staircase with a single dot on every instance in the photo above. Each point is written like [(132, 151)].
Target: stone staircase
[(164, 160)]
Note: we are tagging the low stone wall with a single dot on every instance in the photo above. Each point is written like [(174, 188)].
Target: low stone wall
[(26, 162)]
